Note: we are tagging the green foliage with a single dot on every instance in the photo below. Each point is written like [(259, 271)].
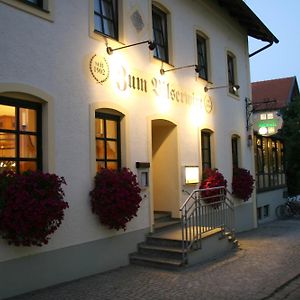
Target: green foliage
[(290, 133)]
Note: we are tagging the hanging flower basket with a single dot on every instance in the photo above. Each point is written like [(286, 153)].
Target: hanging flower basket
[(116, 197), (31, 207), (242, 183), (212, 178)]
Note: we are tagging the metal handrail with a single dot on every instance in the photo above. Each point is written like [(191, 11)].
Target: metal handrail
[(201, 214)]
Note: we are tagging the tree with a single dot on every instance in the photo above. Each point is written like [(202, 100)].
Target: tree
[(290, 134)]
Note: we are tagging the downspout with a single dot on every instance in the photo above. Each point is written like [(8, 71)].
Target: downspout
[(260, 50)]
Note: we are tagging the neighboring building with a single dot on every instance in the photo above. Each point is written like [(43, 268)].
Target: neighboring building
[(268, 98), (61, 70)]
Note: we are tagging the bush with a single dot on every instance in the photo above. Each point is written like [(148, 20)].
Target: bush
[(31, 207), (115, 197)]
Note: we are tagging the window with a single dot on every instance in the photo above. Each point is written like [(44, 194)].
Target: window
[(266, 211), (202, 57), (269, 163), (231, 73), (38, 3), (234, 149), (106, 17), (20, 135), (206, 149), (159, 23), (108, 144)]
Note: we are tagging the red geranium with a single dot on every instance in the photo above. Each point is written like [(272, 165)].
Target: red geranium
[(212, 178), (115, 197), (31, 207), (242, 183)]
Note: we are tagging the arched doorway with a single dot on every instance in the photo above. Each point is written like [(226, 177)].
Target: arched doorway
[(165, 167)]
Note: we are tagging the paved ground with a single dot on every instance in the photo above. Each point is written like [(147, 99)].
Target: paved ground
[(267, 266)]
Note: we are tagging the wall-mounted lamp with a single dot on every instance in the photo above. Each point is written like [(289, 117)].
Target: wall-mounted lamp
[(151, 46), (162, 71), (235, 87)]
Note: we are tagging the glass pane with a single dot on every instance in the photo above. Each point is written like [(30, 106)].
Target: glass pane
[(97, 6), (27, 165), (7, 145), (108, 28), (107, 9), (111, 129), (100, 165), (112, 165), (7, 117), (111, 148), (99, 128), (100, 149), (28, 147), (27, 119), (7, 165), (97, 23)]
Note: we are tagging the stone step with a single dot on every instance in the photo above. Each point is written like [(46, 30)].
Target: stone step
[(160, 216), (158, 262), (159, 225), (157, 241), (161, 251)]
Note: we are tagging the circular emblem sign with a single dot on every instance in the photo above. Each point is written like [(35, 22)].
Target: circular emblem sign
[(99, 68), (208, 104)]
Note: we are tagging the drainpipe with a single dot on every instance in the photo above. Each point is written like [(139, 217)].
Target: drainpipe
[(260, 50)]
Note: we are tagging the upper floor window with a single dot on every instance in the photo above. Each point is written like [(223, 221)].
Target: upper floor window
[(108, 141), (202, 57), (231, 66), (20, 135), (106, 17), (38, 3), (206, 149), (160, 34), (235, 151)]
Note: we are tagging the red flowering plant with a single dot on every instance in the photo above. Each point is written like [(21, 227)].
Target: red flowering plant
[(115, 197), (242, 183), (31, 207), (212, 178)]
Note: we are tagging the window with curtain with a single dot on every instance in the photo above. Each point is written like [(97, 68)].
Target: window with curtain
[(20, 135), (108, 141)]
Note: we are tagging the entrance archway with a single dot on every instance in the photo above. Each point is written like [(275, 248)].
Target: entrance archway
[(165, 167)]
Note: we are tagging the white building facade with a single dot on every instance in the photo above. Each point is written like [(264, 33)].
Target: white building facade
[(54, 61)]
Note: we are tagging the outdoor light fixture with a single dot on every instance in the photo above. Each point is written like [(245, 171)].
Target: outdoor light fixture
[(235, 87), (162, 71), (151, 46)]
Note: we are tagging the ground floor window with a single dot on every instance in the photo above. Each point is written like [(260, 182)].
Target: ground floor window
[(20, 135), (206, 149), (269, 163), (108, 141)]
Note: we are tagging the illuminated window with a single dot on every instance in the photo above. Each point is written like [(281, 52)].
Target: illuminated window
[(206, 149), (106, 17), (202, 57), (20, 135), (231, 66), (108, 145), (160, 34), (263, 116)]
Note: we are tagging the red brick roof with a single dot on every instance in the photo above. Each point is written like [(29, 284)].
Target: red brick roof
[(273, 94)]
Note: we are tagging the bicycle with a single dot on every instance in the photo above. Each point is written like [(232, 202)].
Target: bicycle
[(289, 209)]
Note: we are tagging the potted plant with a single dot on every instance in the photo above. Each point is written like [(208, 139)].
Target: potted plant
[(31, 207), (212, 178), (242, 183), (115, 198)]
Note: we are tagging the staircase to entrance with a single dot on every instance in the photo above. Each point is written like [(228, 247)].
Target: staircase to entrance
[(204, 231)]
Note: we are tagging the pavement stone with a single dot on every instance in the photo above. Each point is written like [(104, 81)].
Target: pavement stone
[(265, 266)]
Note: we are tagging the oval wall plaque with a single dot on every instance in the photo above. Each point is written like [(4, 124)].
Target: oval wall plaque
[(99, 68)]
